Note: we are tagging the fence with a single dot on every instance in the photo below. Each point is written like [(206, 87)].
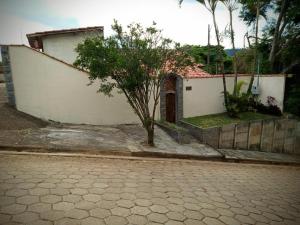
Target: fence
[(274, 135)]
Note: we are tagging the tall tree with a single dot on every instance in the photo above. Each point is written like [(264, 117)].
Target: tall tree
[(250, 13), (231, 6), (135, 62), (211, 6)]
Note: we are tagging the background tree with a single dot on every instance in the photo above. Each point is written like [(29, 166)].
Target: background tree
[(231, 6), (134, 62), (211, 6), (201, 53), (250, 13)]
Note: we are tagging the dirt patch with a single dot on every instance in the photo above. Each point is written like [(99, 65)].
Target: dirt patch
[(11, 119)]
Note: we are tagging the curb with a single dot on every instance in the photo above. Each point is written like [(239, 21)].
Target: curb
[(126, 154)]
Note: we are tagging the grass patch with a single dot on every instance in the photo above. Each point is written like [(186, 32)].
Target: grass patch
[(217, 120)]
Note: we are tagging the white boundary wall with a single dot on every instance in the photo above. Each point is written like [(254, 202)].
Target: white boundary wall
[(206, 96), (52, 90)]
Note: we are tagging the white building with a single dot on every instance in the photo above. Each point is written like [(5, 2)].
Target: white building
[(61, 44)]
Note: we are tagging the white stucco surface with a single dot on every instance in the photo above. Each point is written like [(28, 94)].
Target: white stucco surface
[(63, 46), (206, 96), (51, 90)]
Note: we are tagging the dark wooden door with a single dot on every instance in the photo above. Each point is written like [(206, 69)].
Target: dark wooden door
[(170, 107)]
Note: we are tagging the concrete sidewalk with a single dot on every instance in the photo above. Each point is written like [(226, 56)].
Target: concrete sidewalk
[(126, 140)]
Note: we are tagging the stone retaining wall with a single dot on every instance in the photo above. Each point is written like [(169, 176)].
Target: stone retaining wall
[(275, 135)]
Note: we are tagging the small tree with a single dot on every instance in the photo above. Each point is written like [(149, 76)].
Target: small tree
[(135, 62)]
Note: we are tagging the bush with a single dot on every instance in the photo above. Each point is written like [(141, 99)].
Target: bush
[(271, 108)]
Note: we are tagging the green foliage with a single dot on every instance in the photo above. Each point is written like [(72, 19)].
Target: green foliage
[(248, 10), (134, 62), (200, 54), (237, 102), (292, 104)]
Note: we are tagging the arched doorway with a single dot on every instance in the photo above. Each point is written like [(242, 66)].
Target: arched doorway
[(170, 90), (171, 99)]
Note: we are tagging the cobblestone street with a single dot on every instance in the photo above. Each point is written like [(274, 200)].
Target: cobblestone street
[(60, 190)]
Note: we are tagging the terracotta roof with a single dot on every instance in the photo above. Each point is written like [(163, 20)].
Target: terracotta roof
[(197, 72), (35, 39)]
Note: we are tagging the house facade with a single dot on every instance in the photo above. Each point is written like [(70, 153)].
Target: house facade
[(45, 84)]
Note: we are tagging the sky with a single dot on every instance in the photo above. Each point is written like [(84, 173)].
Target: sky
[(186, 24)]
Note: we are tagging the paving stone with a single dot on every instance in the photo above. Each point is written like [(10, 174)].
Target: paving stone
[(86, 205), (273, 217), (13, 209), (76, 214), (4, 218), (72, 198), (212, 221), (67, 221), (26, 185), (92, 221), (25, 217), (110, 197), (193, 222), (157, 217), (106, 204), (100, 213), (209, 213), (245, 219), (176, 216), (229, 220), (40, 222), (52, 215), (159, 209), (79, 191), (120, 211), (174, 222), (59, 191), (140, 210), (28, 199), (46, 185), (63, 206), (137, 220), (143, 202), (125, 203), (6, 200), (175, 207), (193, 214), (16, 192), (92, 197), (51, 198), (39, 191), (117, 220)]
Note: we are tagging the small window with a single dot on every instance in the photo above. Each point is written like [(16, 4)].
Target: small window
[(188, 88)]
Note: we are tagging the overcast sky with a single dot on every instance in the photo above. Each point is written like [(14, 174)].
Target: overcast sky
[(187, 25)]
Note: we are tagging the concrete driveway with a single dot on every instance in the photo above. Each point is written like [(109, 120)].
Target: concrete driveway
[(51, 190)]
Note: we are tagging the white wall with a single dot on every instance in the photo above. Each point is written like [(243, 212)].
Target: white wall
[(51, 90), (206, 96), (63, 46)]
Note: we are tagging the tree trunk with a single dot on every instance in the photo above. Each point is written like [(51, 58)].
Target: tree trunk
[(234, 56), (255, 51), (150, 138), (276, 34), (221, 59)]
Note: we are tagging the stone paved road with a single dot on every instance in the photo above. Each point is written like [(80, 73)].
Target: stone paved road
[(94, 191)]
